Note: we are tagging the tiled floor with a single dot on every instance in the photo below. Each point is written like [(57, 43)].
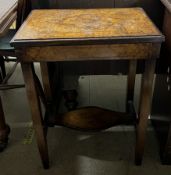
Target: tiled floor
[(110, 152)]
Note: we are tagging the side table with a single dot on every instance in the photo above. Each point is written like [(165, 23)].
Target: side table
[(90, 34)]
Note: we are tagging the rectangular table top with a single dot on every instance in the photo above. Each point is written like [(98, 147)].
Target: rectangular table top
[(7, 14), (63, 26)]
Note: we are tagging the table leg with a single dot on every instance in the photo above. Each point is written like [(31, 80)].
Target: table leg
[(4, 129), (144, 108), (28, 72), (2, 66), (131, 82), (46, 81)]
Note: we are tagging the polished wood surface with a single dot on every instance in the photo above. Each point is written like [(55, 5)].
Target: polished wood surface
[(46, 81), (144, 108), (90, 52), (92, 119), (54, 40), (32, 93), (131, 82), (7, 14), (88, 24)]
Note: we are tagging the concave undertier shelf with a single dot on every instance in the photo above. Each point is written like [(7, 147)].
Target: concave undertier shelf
[(91, 119)]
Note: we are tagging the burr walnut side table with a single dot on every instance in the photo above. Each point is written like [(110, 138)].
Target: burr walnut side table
[(90, 34)]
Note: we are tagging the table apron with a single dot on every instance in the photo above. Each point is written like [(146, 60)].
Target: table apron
[(89, 52)]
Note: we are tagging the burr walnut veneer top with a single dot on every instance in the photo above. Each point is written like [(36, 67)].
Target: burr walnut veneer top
[(86, 24)]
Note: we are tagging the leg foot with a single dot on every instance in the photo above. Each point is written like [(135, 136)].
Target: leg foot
[(46, 165), (4, 138), (138, 162)]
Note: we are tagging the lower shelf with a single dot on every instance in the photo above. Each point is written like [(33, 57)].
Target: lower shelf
[(90, 119)]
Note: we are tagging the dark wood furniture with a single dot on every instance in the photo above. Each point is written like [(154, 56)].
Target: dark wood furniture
[(88, 35), (8, 13), (11, 10), (93, 68), (161, 111)]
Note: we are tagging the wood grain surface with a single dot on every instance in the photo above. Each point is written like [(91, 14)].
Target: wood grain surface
[(86, 23), (89, 52), (92, 119)]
